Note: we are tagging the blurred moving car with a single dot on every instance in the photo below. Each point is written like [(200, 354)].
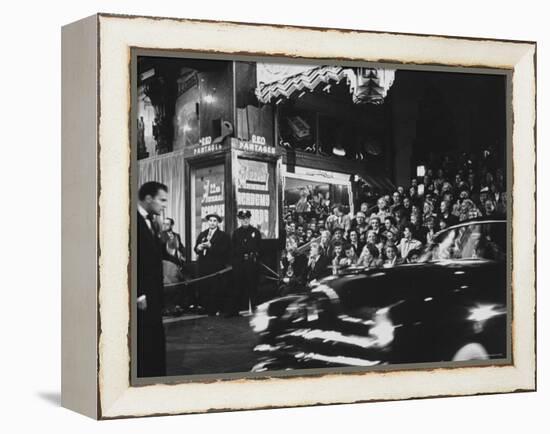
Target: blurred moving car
[(450, 306)]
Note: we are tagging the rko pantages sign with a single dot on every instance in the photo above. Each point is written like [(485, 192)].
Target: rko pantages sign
[(256, 145), (207, 146)]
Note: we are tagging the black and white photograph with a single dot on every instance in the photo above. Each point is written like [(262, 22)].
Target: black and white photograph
[(297, 217)]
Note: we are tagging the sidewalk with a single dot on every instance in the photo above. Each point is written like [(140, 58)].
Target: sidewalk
[(200, 344)]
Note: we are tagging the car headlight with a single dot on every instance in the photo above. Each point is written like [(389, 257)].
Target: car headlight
[(260, 320), (383, 329), (481, 313)]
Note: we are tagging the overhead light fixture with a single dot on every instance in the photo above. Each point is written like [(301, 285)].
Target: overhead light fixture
[(209, 99), (339, 150)]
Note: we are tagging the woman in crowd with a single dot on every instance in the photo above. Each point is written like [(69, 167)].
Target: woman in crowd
[(369, 257), (392, 258)]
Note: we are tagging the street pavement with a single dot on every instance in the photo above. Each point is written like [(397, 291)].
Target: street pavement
[(209, 345)]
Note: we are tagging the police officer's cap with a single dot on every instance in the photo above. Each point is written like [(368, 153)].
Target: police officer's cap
[(244, 214)]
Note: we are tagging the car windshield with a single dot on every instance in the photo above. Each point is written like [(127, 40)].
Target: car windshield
[(476, 240)]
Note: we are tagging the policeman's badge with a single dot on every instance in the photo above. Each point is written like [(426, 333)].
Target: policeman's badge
[(253, 234)]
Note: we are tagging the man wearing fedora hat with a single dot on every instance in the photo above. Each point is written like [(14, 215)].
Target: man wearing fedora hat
[(213, 248), (246, 251)]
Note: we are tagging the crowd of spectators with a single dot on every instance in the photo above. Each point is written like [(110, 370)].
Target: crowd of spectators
[(388, 228)]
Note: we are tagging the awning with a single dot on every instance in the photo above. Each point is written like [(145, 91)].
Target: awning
[(367, 85), (308, 80)]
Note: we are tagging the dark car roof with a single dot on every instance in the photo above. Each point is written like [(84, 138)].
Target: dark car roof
[(384, 286), (416, 268)]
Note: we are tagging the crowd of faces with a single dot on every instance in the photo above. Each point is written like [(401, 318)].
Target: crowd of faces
[(395, 226)]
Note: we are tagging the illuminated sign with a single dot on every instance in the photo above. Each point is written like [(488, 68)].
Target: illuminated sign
[(205, 140), (205, 146), (207, 149), (256, 147)]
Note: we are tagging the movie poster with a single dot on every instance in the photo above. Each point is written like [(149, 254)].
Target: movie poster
[(255, 192), (208, 196)]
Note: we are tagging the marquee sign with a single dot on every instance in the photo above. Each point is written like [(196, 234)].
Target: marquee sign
[(205, 146), (257, 145)]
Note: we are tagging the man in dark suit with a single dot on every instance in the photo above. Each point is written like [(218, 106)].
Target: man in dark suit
[(213, 248), (318, 264), (174, 249), (151, 345)]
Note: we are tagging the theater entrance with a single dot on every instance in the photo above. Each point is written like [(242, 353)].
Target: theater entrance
[(230, 176)]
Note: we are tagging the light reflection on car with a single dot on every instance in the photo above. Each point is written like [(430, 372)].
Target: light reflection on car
[(450, 306)]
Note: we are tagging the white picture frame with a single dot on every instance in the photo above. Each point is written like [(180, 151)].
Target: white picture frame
[(96, 217)]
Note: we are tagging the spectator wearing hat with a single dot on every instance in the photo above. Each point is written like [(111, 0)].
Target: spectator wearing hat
[(246, 252), (213, 247)]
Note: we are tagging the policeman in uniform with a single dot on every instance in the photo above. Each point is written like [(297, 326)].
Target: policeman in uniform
[(246, 252)]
